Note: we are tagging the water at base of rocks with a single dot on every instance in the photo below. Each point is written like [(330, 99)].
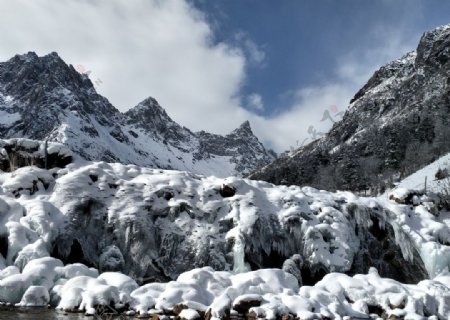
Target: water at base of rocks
[(8, 313)]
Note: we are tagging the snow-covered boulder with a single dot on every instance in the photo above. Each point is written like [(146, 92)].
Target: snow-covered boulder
[(35, 296), (19, 152), (265, 293)]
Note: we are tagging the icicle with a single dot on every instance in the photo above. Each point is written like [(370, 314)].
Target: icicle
[(362, 218), (403, 242), (239, 255), (436, 258)]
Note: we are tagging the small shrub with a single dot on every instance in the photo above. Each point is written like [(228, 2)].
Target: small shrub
[(442, 174), (444, 193)]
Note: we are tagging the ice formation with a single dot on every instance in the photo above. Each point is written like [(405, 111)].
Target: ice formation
[(95, 233)]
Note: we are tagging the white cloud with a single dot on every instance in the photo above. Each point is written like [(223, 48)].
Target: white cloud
[(136, 48), (254, 53), (302, 122), (255, 102)]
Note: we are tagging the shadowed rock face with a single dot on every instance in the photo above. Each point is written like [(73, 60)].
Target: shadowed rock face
[(44, 98), (378, 249), (150, 253), (397, 123), (19, 153)]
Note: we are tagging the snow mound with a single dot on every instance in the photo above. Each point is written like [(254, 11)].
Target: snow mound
[(35, 296), (205, 293)]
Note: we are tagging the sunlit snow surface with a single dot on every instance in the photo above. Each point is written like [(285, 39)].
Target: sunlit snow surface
[(135, 219), (427, 175)]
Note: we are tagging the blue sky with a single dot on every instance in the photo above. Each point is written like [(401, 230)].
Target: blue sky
[(303, 41), (213, 64)]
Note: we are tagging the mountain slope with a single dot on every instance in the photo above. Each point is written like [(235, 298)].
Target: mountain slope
[(44, 98), (397, 123)]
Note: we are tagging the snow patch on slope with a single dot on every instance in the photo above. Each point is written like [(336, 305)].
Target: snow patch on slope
[(416, 181)]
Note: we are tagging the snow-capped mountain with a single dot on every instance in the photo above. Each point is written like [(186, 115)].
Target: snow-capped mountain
[(44, 98), (397, 123)]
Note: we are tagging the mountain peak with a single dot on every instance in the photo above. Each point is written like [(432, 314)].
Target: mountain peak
[(150, 116), (27, 73), (244, 128), (149, 111), (433, 45), (149, 104), (32, 57), (54, 57)]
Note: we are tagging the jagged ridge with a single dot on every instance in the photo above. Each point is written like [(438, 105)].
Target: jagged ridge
[(44, 98)]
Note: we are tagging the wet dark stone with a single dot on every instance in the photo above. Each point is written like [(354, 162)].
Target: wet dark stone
[(227, 191), (242, 307), (4, 246), (310, 276), (168, 195), (76, 253)]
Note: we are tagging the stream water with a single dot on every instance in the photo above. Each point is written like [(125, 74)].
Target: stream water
[(50, 314)]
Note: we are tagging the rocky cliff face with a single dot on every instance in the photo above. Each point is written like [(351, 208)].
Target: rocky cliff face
[(398, 122), (44, 98)]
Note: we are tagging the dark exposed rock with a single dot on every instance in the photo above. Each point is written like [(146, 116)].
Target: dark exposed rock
[(18, 153), (442, 174), (227, 191), (376, 309), (4, 246), (294, 266), (408, 198), (243, 306), (111, 259), (178, 308)]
